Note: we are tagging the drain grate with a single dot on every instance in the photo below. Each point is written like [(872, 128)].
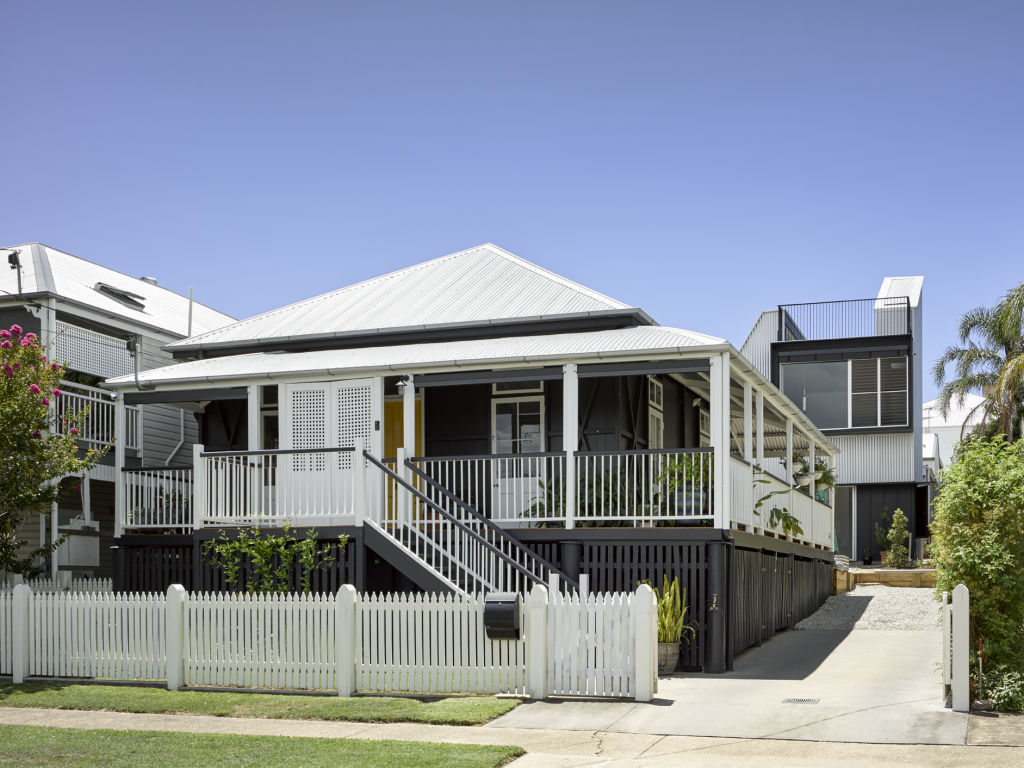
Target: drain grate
[(800, 701)]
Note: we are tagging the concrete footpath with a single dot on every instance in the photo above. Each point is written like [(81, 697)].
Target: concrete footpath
[(989, 743)]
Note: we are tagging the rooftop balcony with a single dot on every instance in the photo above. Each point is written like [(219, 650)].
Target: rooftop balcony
[(846, 319)]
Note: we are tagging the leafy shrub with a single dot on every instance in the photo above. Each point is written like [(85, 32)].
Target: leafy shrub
[(1004, 687), (269, 559), (978, 539), (898, 556)]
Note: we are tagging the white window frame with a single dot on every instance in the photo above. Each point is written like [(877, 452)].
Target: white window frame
[(496, 401), (655, 413), (878, 393)]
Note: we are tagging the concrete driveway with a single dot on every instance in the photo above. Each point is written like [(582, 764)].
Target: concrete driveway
[(869, 686)]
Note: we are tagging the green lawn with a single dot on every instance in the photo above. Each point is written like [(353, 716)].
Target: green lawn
[(468, 710), (25, 746)]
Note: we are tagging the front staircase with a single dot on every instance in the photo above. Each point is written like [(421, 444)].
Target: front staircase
[(444, 544)]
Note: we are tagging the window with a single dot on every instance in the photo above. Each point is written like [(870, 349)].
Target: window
[(819, 390), (518, 425), (655, 413), (850, 394)]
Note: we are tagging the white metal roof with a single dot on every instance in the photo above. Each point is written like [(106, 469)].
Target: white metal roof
[(480, 285), (47, 270), (618, 343), (893, 287)]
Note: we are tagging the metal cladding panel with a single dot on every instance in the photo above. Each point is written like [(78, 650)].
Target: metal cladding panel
[(481, 284), (894, 287), (75, 279), (758, 346), (876, 458), (329, 362)]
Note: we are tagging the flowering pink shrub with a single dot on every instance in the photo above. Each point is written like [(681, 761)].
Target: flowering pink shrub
[(37, 453)]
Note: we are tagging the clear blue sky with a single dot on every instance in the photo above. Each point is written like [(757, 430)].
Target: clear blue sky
[(703, 160)]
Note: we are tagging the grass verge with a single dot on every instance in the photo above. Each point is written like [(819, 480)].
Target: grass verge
[(26, 746), (468, 710)]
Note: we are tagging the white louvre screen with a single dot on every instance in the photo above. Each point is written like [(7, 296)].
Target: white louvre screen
[(354, 418), (91, 352)]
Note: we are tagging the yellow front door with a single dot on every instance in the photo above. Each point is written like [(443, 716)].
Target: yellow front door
[(393, 428)]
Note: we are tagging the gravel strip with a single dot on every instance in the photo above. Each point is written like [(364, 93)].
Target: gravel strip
[(877, 607)]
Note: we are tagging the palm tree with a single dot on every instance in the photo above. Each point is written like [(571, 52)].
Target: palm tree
[(990, 362)]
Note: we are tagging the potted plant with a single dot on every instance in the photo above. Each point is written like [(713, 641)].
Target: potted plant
[(823, 475), (867, 556), (671, 625)]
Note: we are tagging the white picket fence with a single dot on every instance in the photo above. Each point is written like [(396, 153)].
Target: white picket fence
[(48, 584), (601, 645), (956, 651)]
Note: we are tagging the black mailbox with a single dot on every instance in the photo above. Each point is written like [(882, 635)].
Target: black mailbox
[(501, 615)]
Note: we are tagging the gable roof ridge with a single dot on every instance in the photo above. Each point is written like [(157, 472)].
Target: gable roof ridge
[(565, 281), (490, 247)]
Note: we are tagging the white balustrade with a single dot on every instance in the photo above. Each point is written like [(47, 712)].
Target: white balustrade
[(314, 487), (158, 498), (509, 488), (644, 488), (97, 428)]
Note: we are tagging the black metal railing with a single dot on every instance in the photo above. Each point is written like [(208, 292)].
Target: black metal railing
[(846, 319)]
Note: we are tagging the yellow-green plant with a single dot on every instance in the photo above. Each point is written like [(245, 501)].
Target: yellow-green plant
[(672, 609)]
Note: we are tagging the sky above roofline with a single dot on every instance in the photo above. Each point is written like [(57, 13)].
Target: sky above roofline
[(702, 161)]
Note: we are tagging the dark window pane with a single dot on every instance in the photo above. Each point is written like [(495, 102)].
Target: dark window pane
[(818, 389), (864, 375), (864, 410), (894, 408)]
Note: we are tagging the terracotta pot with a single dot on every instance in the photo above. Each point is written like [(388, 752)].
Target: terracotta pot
[(668, 658)]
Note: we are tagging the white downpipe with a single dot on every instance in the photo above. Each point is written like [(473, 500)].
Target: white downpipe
[(120, 433)]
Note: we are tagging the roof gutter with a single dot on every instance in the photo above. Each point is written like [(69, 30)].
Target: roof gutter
[(377, 333)]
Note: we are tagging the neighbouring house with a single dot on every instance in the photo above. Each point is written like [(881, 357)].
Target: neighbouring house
[(99, 323), (854, 367), (478, 423), (948, 429)]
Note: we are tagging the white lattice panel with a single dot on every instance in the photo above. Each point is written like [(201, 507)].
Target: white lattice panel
[(355, 418), (308, 426), (91, 352)]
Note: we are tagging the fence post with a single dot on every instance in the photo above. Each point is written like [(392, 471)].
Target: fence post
[(537, 642), (199, 493), (947, 637), (346, 621), (175, 645), (646, 637), (961, 648), (21, 614)]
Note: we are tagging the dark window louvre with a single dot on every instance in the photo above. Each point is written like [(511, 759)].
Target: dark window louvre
[(865, 410), (864, 375), (894, 374), (894, 409)]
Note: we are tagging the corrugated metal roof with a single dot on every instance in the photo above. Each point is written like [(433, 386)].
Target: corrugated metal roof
[(45, 269), (902, 286), (479, 285), (475, 352)]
